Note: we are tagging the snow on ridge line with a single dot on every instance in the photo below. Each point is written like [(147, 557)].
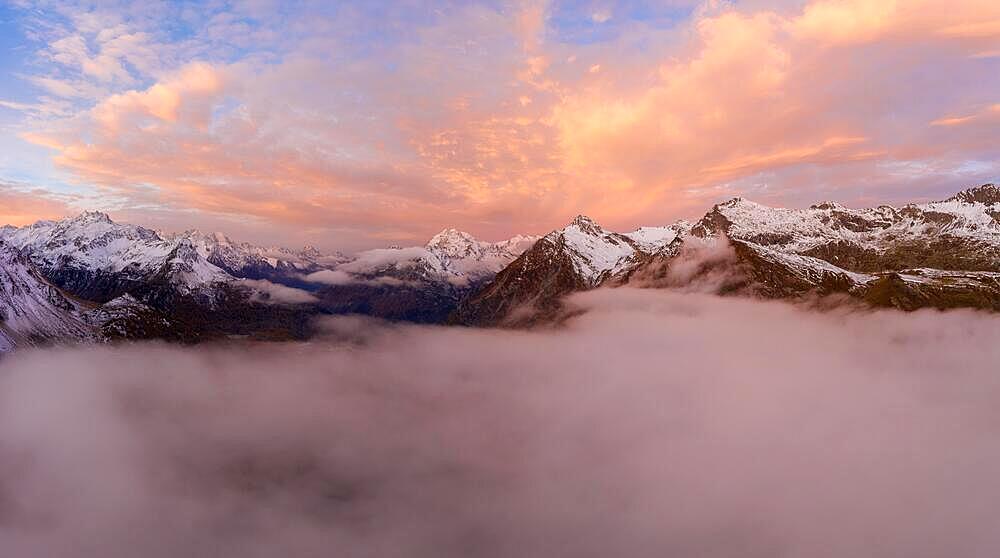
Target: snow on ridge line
[(596, 252), (873, 228), (30, 307)]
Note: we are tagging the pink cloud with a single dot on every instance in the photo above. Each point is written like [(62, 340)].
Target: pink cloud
[(481, 119), (23, 206)]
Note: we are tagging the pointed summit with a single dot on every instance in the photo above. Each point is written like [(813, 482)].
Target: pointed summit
[(831, 205), (736, 202), (453, 243), (310, 251), (586, 225), (93, 217), (451, 235), (584, 221)]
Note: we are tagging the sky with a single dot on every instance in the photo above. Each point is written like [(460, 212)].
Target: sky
[(360, 124)]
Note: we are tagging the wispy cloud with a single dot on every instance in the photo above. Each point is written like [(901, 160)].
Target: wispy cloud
[(385, 118)]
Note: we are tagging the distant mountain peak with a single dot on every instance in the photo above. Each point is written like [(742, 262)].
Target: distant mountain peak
[(987, 194), (827, 205), (450, 236), (736, 202), (584, 221), (93, 217), (311, 251), (454, 244), (587, 225)]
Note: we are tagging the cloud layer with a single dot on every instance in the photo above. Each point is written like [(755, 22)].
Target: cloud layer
[(273, 293), (656, 424), (388, 122)]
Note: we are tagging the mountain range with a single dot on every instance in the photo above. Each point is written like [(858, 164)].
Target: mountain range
[(941, 255), (90, 278)]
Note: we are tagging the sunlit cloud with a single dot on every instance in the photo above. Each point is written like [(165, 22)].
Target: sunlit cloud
[(601, 16), (392, 123), (21, 205)]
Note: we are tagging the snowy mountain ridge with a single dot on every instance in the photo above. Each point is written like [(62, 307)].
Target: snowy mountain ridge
[(92, 243), (31, 309), (971, 214), (100, 260), (941, 254), (580, 256), (597, 253)]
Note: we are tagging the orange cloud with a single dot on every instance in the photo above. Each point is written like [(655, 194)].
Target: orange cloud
[(189, 93), (483, 120), (952, 121), (19, 206), (846, 21), (989, 112), (974, 29)]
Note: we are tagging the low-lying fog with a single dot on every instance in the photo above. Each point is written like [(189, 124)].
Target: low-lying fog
[(657, 424)]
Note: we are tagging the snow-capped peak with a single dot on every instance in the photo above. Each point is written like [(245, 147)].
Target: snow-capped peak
[(828, 205), (968, 214), (451, 255), (453, 244), (586, 224), (593, 250), (92, 217), (189, 269), (652, 239), (310, 251)]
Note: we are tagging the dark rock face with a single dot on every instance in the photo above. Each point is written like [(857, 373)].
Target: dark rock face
[(283, 275), (526, 291), (164, 312), (855, 223), (97, 286), (987, 194), (227, 312), (126, 318), (713, 223), (943, 252), (769, 277), (579, 257), (418, 303), (947, 292)]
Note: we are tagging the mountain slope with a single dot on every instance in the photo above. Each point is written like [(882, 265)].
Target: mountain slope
[(33, 311), (170, 276), (578, 257), (97, 259), (961, 233), (418, 284), (248, 261), (193, 286), (942, 254)]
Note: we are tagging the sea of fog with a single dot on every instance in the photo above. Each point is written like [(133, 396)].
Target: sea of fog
[(655, 424)]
